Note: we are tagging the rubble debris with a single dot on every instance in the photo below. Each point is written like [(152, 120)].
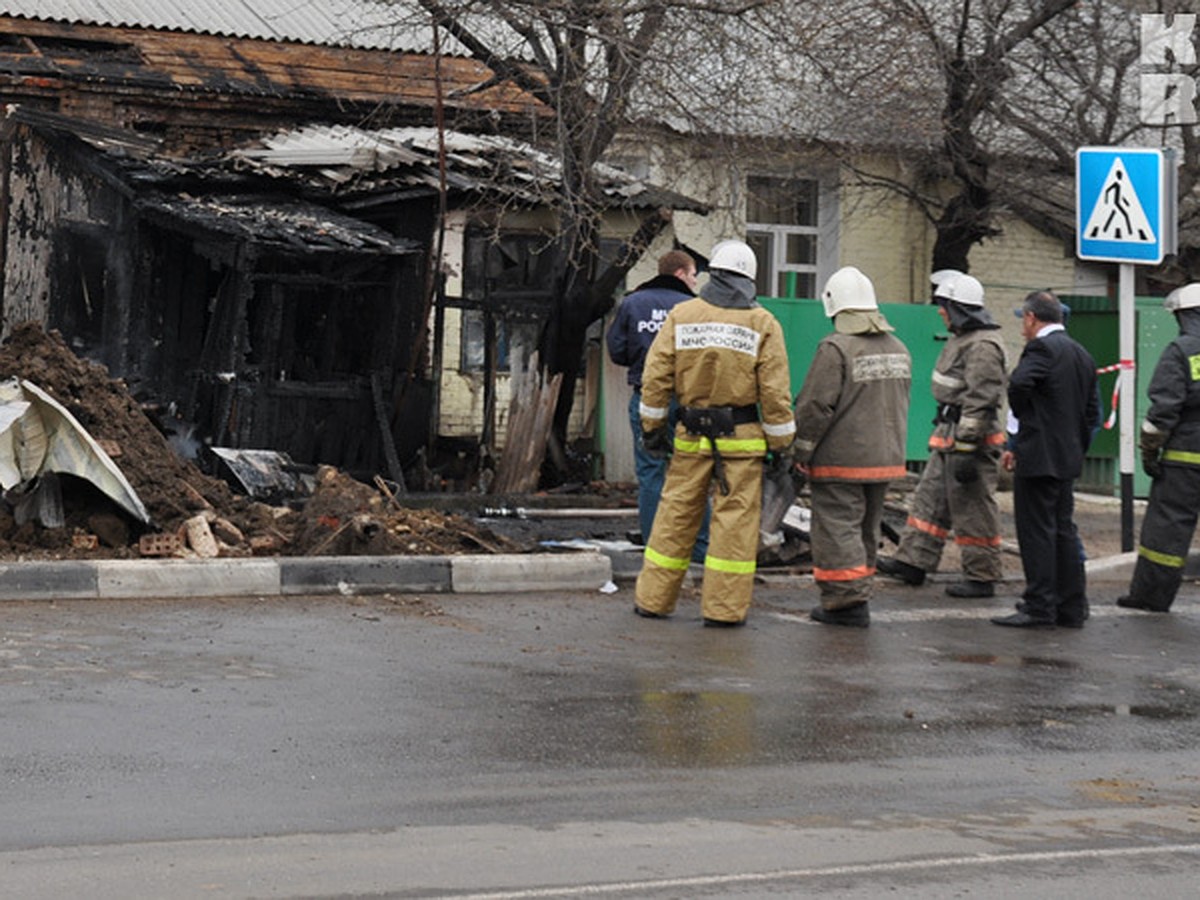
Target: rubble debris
[(81, 540), (160, 544), (265, 475), (226, 532), (344, 516), (110, 529), (200, 537)]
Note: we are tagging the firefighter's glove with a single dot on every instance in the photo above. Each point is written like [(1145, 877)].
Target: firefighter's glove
[(1151, 444), (1152, 461), (780, 462), (657, 443), (964, 464)]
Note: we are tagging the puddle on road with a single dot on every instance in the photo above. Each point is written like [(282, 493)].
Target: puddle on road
[(1185, 709), (1024, 662)]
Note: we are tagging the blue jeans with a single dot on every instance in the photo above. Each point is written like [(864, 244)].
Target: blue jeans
[(651, 473)]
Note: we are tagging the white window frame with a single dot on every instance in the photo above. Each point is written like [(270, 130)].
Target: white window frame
[(777, 236)]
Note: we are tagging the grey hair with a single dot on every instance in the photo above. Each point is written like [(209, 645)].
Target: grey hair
[(1044, 306)]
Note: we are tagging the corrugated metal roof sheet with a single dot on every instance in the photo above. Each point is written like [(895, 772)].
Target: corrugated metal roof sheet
[(367, 24), (272, 221), (334, 156)]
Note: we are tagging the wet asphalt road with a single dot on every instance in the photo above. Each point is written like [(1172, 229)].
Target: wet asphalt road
[(557, 745)]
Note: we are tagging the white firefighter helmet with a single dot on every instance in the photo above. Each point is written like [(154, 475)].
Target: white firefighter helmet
[(961, 289), (848, 288), (734, 256), (941, 275), (1186, 297)]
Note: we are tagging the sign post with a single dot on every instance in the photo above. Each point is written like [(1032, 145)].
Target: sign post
[(1125, 212)]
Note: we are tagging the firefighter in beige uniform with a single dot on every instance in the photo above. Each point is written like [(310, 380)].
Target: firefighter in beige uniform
[(723, 356), (851, 427), (957, 489)]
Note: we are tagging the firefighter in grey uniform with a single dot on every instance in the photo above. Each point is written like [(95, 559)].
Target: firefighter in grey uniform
[(851, 427), (723, 357), (957, 490), (1170, 445)]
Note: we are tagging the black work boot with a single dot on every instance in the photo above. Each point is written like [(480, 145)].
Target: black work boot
[(1127, 602), (971, 588), (902, 571), (856, 616)]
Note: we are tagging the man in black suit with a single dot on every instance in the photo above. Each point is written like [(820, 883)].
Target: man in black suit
[(1053, 394)]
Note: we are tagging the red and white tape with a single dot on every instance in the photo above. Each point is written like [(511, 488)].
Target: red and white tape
[(1116, 367)]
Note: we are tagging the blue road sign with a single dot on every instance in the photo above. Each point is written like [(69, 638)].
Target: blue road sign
[(1124, 204)]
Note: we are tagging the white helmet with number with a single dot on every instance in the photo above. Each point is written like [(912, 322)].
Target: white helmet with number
[(1186, 297), (848, 288), (734, 256), (961, 289)]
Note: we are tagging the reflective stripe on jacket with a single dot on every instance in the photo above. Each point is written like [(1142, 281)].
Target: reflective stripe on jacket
[(708, 355), (852, 412), (971, 374), (1175, 397)]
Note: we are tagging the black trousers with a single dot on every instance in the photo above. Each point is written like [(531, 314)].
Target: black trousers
[(1166, 536), (1055, 583)]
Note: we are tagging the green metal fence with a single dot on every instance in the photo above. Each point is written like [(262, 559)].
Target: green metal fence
[(918, 325)]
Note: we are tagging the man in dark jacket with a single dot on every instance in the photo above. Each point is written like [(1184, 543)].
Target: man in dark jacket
[(1053, 394), (1170, 445), (637, 323)]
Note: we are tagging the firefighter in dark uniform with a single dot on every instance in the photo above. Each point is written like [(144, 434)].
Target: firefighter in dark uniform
[(1170, 447), (723, 357), (957, 490), (851, 428)]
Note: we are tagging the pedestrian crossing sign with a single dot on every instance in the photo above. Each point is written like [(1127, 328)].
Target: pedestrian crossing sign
[(1125, 208)]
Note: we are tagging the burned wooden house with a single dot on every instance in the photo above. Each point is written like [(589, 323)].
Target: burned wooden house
[(261, 318), (241, 212), (257, 312)]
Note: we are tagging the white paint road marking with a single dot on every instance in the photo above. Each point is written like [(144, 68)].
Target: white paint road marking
[(978, 860)]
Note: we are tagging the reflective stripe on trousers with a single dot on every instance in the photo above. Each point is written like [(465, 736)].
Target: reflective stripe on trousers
[(845, 535), (732, 555)]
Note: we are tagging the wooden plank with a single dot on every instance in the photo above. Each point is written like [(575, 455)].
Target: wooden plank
[(531, 416)]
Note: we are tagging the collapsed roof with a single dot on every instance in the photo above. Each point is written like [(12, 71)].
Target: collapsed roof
[(167, 189), (384, 161), (280, 191)]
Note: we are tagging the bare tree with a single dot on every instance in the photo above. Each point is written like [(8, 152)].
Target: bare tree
[(994, 97), (926, 78), (1083, 87), (584, 59)]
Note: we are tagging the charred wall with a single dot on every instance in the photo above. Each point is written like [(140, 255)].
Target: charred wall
[(263, 346), (56, 216)]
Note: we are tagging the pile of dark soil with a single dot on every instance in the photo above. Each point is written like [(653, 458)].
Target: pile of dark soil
[(343, 517)]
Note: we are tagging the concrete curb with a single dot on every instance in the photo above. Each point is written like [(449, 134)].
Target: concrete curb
[(1111, 568), (1119, 567), (283, 576), (355, 575)]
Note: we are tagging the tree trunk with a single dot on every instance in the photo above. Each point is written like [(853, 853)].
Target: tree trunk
[(586, 303)]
